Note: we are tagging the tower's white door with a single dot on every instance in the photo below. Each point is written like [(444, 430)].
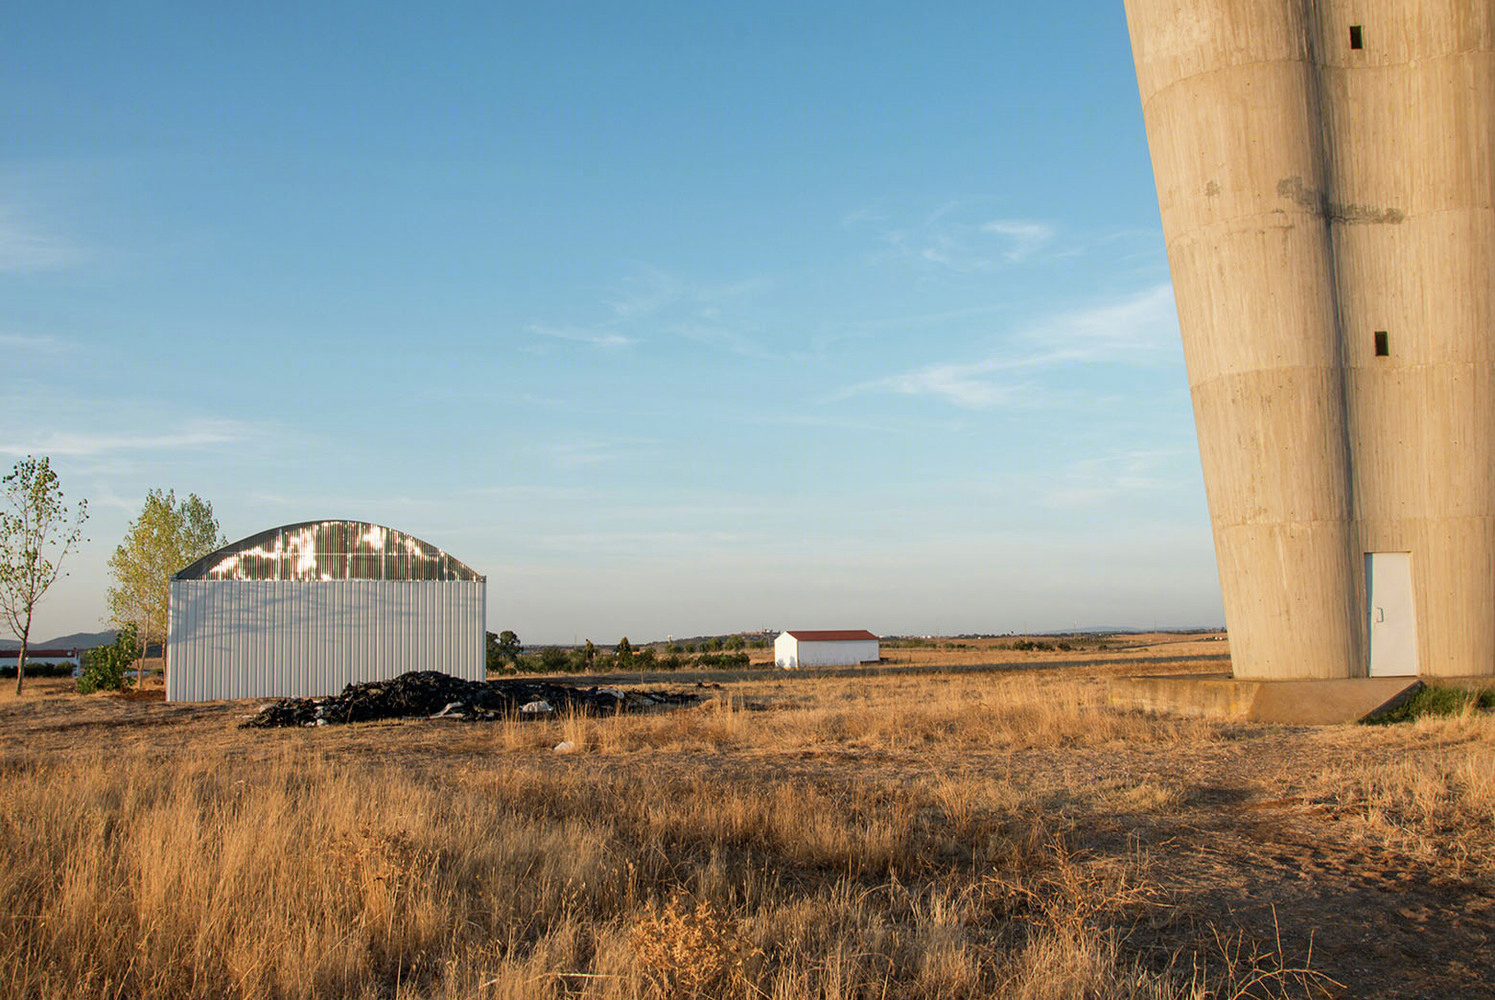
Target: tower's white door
[(1393, 613)]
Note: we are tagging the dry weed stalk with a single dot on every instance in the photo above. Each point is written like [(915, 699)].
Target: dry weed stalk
[(1248, 972)]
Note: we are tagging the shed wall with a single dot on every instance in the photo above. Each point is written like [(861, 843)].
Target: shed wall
[(795, 653), (293, 638)]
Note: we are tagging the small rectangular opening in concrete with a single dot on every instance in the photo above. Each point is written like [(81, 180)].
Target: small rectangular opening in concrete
[(1383, 345), (1356, 41)]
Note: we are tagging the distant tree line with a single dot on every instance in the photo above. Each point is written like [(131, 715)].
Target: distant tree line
[(507, 655)]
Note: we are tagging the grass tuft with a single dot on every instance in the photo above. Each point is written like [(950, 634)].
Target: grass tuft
[(1436, 701)]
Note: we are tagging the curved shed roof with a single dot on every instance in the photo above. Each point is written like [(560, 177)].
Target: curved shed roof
[(328, 550)]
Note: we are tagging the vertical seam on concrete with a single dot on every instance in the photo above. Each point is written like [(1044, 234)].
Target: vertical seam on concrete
[(1317, 17)]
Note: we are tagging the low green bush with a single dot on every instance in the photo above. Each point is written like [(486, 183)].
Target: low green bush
[(1436, 700), (35, 669), (722, 661), (104, 667)]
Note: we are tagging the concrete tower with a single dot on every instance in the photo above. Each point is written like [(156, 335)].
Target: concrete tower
[(1326, 177)]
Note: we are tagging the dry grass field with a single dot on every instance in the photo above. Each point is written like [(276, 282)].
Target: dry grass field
[(906, 832)]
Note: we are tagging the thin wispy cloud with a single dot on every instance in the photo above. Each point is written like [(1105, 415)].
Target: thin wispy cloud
[(1135, 327), (529, 493), (649, 300), (600, 451), (597, 338), (1130, 475), (1024, 238), (715, 334), (654, 541), (201, 434), (973, 386), (858, 216), (24, 249), (644, 290), (1133, 331), (951, 237), (40, 345), (102, 495), (970, 386)]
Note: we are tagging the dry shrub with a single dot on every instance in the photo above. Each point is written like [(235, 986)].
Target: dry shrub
[(686, 950), (1070, 896), (387, 874)]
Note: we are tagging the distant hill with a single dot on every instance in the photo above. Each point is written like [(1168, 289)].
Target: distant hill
[(77, 640)]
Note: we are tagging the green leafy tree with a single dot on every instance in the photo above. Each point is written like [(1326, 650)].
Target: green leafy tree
[(106, 665), (624, 651), (503, 649), (553, 659), (166, 537), (37, 531), (734, 642), (508, 645)]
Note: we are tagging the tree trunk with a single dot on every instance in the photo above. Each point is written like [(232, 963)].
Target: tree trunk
[(21, 659)]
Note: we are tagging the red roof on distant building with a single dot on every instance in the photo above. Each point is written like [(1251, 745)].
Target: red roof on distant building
[(843, 635)]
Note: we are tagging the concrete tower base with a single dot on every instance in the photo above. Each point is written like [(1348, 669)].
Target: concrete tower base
[(1292, 703), (1326, 183)]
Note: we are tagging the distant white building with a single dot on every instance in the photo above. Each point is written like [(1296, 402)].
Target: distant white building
[(8, 657), (844, 648)]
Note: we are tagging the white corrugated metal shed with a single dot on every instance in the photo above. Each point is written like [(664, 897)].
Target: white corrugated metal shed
[(822, 648), (306, 609)]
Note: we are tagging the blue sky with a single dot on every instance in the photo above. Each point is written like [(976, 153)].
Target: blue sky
[(671, 319)]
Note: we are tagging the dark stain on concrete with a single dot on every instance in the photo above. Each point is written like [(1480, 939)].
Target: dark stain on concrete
[(1296, 191)]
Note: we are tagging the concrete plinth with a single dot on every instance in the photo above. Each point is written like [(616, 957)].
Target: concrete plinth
[(1294, 703)]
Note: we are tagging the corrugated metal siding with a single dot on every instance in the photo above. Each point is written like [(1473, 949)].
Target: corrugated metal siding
[(296, 638)]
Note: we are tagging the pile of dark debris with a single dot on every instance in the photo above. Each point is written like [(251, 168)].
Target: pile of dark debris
[(429, 694)]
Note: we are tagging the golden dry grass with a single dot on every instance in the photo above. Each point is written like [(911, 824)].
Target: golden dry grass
[(1438, 807), (964, 835), (301, 876), (1140, 648)]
